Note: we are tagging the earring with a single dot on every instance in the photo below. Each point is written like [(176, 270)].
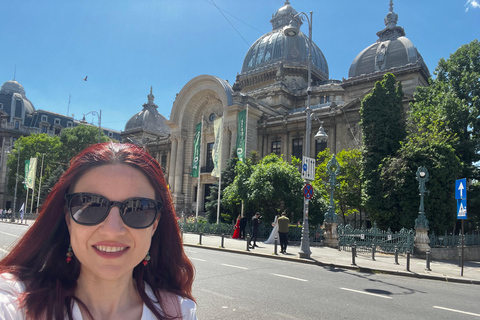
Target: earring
[(69, 254), (146, 259)]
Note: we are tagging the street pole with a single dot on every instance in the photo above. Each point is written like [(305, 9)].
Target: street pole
[(16, 182), (40, 184)]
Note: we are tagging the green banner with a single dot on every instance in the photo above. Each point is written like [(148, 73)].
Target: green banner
[(27, 166), (32, 171), (241, 134), (196, 150), (217, 147)]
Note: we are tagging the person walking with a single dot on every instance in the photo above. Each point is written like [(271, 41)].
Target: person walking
[(243, 226), (283, 223), (255, 224)]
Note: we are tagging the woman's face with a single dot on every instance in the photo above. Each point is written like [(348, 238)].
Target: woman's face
[(111, 249)]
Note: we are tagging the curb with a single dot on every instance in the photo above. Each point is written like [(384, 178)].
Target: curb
[(342, 266)]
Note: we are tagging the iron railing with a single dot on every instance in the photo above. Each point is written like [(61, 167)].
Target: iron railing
[(454, 240)]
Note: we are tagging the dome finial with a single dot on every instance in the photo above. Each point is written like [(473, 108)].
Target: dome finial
[(287, 2), (391, 18), (151, 97)]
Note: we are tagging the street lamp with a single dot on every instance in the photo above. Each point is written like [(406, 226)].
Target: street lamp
[(16, 182), (99, 115), (292, 30)]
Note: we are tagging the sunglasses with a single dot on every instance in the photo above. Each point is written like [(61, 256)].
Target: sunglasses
[(90, 209)]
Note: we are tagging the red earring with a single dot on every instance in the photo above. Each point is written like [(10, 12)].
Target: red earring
[(146, 259), (69, 254)]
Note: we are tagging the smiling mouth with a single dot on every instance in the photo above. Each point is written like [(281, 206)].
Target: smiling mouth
[(110, 249)]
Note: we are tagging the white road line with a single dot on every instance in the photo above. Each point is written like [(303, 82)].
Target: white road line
[(217, 294), (370, 294), (288, 277), (458, 311), (198, 259), (9, 234), (232, 266)]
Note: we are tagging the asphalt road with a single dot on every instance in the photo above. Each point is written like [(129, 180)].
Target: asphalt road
[(234, 286)]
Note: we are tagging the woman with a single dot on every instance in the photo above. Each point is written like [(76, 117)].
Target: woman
[(236, 233), (274, 233), (106, 245)]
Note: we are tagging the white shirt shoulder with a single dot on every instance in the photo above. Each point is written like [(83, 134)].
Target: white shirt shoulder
[(10, 291)]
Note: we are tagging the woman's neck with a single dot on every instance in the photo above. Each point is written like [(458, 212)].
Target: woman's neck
[(109, 299)]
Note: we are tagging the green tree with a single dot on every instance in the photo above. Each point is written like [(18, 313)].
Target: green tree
[(383, 128), (32, 146), (78, 138)]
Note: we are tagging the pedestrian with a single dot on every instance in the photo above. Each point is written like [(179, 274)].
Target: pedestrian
[(243, 226), (1, 213), (255, 224), (236, 233), (283, 223), (106, 245)]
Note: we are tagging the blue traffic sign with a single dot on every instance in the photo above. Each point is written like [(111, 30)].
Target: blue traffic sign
[(308, 191), (461, 189), (462, 209), (305, 167)]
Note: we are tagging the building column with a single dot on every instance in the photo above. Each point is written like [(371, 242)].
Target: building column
[(179, 167), (173, 161)]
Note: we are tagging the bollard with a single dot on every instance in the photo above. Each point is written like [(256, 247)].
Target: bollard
[(354, 253), (200, 239), (248, 242), (373, 252), (355, 244), (275, 244), (408, 260), (459, 259), (396, 255), (427, 258), (223, 239)]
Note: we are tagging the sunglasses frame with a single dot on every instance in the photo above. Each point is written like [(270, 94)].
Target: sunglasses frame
[(119, 204)]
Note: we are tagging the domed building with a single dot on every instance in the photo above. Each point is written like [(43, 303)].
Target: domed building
[(273, 89)]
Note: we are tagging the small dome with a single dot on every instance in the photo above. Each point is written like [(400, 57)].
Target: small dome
[(14, 88), (149, 119), (392, 50), (274, 47)]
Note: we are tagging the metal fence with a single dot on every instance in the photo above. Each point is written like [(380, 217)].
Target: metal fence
[(383, 241), (452, 240), (264, 230)]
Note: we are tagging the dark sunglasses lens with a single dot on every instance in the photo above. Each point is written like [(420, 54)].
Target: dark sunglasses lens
[(88, 209), (139, 213)]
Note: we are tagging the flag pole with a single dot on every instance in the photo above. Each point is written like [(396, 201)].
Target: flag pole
[(199, 174), (220, 177), (33, 185), (40, 185)]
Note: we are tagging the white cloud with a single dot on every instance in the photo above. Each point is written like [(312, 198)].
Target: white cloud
[(472, 4)]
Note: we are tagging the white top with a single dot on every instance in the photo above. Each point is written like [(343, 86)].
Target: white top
[(11, 289)]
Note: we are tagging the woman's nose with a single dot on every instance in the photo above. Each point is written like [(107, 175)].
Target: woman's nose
[(113, 222)]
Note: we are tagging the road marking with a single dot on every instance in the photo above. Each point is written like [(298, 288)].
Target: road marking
[(458, 311), (229, 265), (288, 277), (371, 294), (198, 259), (217, 294), (9, 234)]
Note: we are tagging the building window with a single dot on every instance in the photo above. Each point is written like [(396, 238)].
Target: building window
[(110, 134), (57, 121), (69, 124), (1, 105), (163, 162), (320, 146), (44, 129), (44, 118), (297, 148), (209, 162), (277, 147), (57, 131), (17, 124)]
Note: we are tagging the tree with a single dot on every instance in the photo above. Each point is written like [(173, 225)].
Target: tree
[(383, 128), (76, 139), (32, 146), (348, 193)]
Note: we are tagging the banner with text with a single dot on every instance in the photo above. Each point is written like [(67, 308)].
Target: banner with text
[(241, 135), (217, 147), (32, 171), (27, 166), (196, 150)]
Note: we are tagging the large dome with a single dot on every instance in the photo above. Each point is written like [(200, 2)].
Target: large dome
[(149, 119), (392, 50), (274, 48), (14, 88)]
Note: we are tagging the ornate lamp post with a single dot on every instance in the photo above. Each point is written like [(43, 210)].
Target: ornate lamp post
[(421, 223), (331, 218), (292, 30), (99, 115)]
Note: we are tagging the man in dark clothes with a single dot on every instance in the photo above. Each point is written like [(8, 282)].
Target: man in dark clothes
[(283, 223), (255, 224), (243, 226)]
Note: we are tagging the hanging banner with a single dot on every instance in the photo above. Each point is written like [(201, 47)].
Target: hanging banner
[(241, 134), (27, 166), (32, 171), (196, 150), (217, 147)]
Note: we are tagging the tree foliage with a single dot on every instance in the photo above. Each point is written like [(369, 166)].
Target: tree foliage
[(78, 138)]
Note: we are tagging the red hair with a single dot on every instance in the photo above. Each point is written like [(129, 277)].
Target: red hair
[(38, 259)]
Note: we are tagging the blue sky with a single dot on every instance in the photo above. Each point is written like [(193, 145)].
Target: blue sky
[(126, 46)]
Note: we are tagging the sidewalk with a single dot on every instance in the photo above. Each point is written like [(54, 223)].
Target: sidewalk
[(384, 263)]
